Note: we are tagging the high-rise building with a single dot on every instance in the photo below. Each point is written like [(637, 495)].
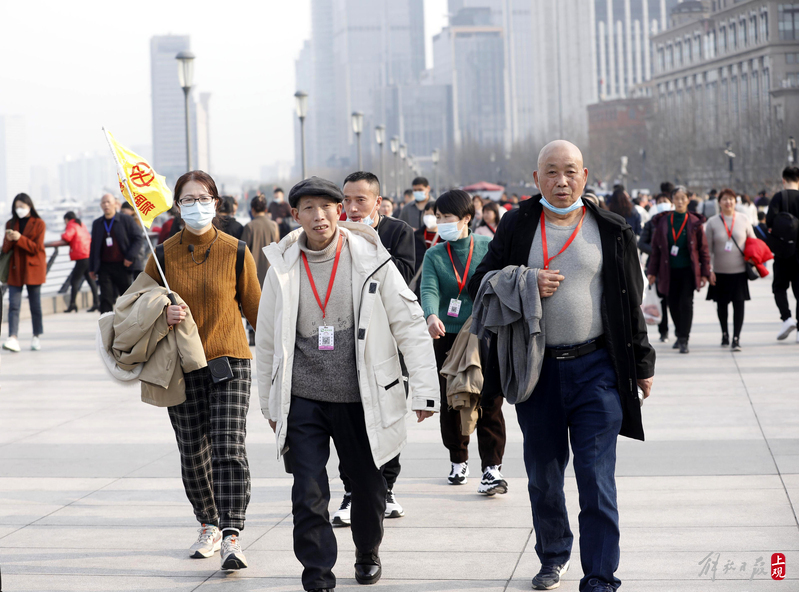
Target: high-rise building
[(623, 31), (86, 177), (469, 56), (357, 48), (14, 169), (169, 111)]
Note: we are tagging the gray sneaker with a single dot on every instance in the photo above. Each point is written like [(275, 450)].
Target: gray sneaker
[(549, 576), (208, 543), (232, 555)]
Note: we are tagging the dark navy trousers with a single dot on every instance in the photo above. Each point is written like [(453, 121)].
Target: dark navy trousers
[(574, 401)]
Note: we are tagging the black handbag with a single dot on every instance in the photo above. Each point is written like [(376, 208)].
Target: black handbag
[(751, 271), (220, 370)]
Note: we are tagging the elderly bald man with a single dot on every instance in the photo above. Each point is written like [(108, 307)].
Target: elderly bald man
[(590, 283)]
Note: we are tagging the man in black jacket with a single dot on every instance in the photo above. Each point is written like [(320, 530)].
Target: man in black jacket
[(786, 269), (361, 203), (116, 241), (590, 284)]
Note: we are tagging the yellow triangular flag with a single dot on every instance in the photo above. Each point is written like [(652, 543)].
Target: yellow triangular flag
[(151, 196)]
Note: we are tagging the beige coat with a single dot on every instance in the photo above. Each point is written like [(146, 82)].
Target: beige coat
[(136, 342), (464, 374), (387, 318)]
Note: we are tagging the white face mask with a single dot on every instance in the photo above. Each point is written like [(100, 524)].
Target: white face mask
[(429, 221), (449, 231), (368, 220), (198, 216), (22, 211)]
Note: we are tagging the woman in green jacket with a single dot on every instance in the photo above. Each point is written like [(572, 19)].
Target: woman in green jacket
[(447, 268)]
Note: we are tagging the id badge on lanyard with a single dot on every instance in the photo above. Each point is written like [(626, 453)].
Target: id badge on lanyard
[(675, 250), (326, 338), (109, 242), (454, 308), (728, 246)]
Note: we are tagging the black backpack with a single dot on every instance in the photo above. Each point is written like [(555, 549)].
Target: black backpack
[(784, 233)]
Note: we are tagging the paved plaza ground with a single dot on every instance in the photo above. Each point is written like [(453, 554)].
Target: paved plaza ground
[(91, 497)]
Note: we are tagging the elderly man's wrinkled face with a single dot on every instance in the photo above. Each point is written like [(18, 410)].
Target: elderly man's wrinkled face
[(561, 176)]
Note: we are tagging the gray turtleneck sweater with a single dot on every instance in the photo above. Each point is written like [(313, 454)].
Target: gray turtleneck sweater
[(326, 375)]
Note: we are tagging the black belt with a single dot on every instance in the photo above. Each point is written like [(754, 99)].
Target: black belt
[(571, 352)]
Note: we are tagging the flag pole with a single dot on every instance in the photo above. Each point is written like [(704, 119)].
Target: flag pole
[(124, 175)]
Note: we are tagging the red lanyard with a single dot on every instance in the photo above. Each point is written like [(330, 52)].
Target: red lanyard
[(547, 258), (332, 276), (729, 230), (461, 282), (676, 236), (493, 229)]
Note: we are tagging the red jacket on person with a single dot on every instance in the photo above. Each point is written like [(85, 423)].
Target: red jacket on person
[(79, 239), (28, 263), (756, 251)]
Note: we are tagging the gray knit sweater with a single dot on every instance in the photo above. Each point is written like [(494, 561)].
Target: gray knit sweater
[(323, 375)]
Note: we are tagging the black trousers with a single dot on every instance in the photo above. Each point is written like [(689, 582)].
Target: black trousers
[(79, 273), (663, 326), (311, 425), (490, 425), (211, 427), (786, 274), (114, 279), (391, 471), (681, 300)]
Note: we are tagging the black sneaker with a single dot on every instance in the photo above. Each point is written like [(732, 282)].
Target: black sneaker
[(683, 346), (664, 338), (676, 344), (548, 577), (736, 345), (725, 339), (596, 585)]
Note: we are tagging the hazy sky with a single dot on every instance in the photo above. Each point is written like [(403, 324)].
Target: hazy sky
[(72, 67)]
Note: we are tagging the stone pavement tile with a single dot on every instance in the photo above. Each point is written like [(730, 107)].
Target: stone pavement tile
[(677, 566), (703, 539), (431, 539), (241, 583), (99, 561), (716, 457), (85, 460), (137, 537), (697, 482), (51, 490), (82, 583), (767, 512), (23, 514), (168, 515)]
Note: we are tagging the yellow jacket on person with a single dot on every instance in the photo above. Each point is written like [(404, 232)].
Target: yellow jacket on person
[(136, 342)]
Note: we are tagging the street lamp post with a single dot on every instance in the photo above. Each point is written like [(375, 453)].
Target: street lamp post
[(403, 153), (791, 151), (434, 157), (185, 77), (731, 155), (357, 127), (301, 100), (394, 146), (380, 136)]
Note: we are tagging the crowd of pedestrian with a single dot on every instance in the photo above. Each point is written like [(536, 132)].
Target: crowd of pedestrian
[(360, 309)]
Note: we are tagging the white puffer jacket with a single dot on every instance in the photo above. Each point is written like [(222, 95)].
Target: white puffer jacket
[(387, 317)]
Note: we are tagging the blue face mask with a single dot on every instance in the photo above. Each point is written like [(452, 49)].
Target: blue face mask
[(575, 206), (198, 216), (419, 195)]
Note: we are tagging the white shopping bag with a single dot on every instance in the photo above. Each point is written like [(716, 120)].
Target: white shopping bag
[(653, 313)]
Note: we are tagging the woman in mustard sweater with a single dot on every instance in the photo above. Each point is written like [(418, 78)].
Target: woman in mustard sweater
[(447, 269), (202, 265)]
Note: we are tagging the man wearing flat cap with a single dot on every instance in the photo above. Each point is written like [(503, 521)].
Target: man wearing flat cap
[(334, 314)]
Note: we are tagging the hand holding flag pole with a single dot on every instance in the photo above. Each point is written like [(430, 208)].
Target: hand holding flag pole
[(152, 197)]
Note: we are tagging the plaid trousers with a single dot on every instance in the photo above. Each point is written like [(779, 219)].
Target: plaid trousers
[(211, 426)]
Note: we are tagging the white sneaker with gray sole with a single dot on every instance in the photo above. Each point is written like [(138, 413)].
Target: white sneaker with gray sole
[(208, 543)]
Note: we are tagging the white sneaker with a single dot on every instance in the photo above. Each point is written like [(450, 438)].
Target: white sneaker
[(232, 555), (459, 473), (35, 345), (342, 515), (788, 325), (208, 543), (492, 482), (12, 344), (393, 509)]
